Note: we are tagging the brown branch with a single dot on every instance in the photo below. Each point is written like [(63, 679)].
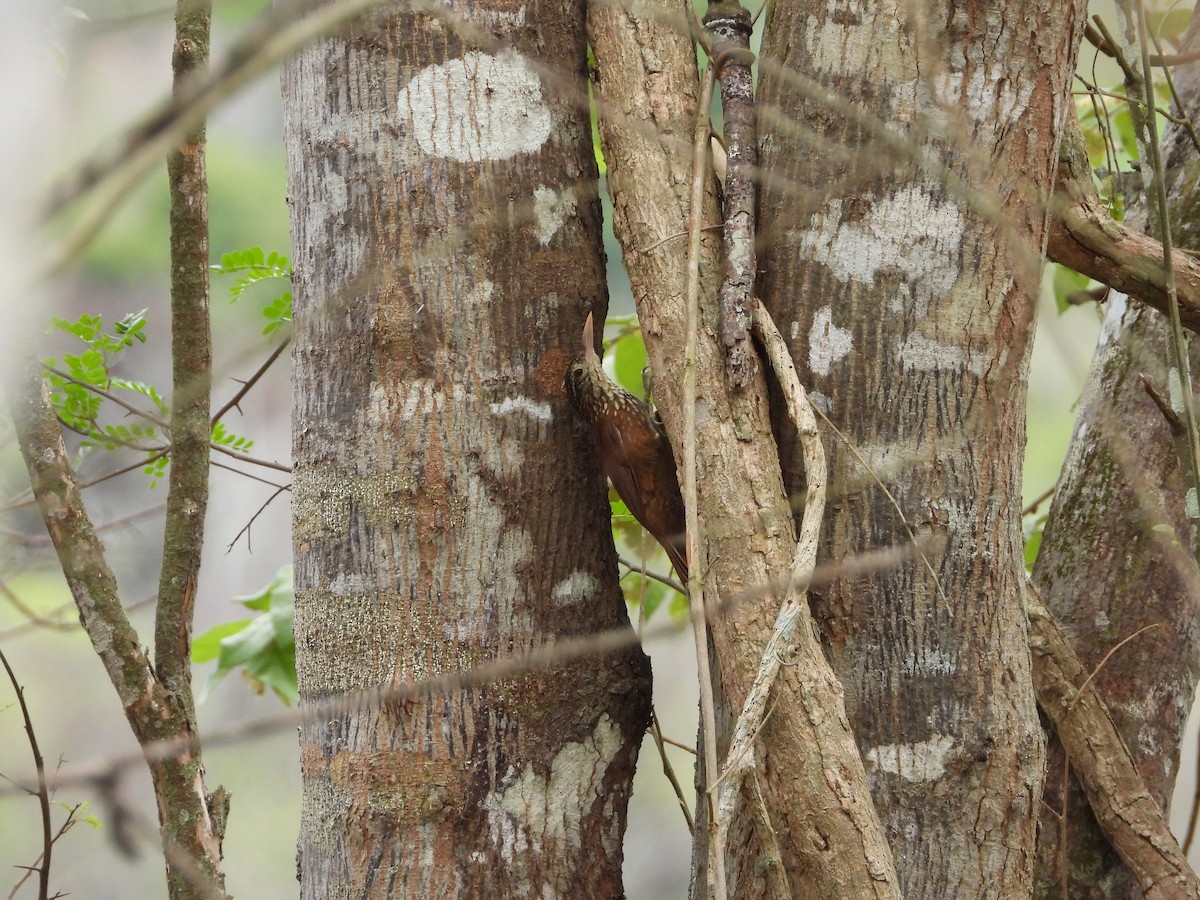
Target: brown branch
[(1124, 809), (42, 791), (109, 395), (1160, 59), (541, 657), (251, 381), (1085, 238)]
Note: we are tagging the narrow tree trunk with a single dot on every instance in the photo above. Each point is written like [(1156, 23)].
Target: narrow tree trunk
[(1115, 562), (907, 158), (448, 508)]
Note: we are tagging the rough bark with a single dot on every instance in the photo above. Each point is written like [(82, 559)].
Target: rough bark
[(1113, 560), (905, 282), (813, 782), (448, 508)]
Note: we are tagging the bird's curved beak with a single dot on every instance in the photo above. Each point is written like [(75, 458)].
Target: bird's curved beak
[(589, 340)]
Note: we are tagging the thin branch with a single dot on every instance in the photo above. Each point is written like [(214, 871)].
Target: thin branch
[(251, 381), (43, 792), (545, 656), (253, 460), (669, 770), (246, 528), (652, 575), (115, 398), (1038, 501), (695, 545), (728, 25)]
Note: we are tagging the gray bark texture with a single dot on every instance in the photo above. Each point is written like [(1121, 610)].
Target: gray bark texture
[(1115, 563), (448, 507), (907, 153)]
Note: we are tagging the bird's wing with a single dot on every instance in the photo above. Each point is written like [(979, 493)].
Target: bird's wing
[(620, 470)]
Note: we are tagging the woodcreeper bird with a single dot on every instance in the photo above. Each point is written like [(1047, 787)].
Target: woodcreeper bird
[(633, 449)]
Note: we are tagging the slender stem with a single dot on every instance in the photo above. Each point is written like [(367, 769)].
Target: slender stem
[(251, 381), (43, 792), (695, 546)]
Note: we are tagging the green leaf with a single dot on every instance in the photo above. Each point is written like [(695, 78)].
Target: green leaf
[(263, 647), (1033, 540), (629, 359), (649, 592), (207, 646), (1067, 282)]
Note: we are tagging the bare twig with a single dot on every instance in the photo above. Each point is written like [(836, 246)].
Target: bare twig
[(652, 575), (251, 381), (669, 770), (541, 657), (42, 791)]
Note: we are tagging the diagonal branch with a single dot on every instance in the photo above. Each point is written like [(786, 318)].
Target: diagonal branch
[(1085, 238), (1124, 809)]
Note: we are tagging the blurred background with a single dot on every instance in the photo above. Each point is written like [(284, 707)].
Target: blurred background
[(75, 78)]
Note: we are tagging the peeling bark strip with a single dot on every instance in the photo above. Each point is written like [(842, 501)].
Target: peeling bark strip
[(448, 506), (728, 25)]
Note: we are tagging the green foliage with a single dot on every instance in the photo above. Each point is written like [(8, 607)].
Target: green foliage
[(229, 439), (263, 647), (628, 360), (1033, 527), (1066, 283), (77, 399), (254, 267)]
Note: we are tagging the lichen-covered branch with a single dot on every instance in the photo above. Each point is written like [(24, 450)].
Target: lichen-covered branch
[(1127, 813), (728, 24)]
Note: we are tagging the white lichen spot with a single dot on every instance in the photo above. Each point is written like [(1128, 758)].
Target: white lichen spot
[(1101, 620), (551, 211), (922, 761), (827, 343), (988, 98), (509, 405), (912, 233), (476, 108), (931, 661), (1114, 315), (918, 353), (533, 810), (1190, 504), (575, 588)]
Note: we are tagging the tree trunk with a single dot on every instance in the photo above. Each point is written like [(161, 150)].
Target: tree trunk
[(901, 228), (448, 509), (1114, 562), (816, 799)]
